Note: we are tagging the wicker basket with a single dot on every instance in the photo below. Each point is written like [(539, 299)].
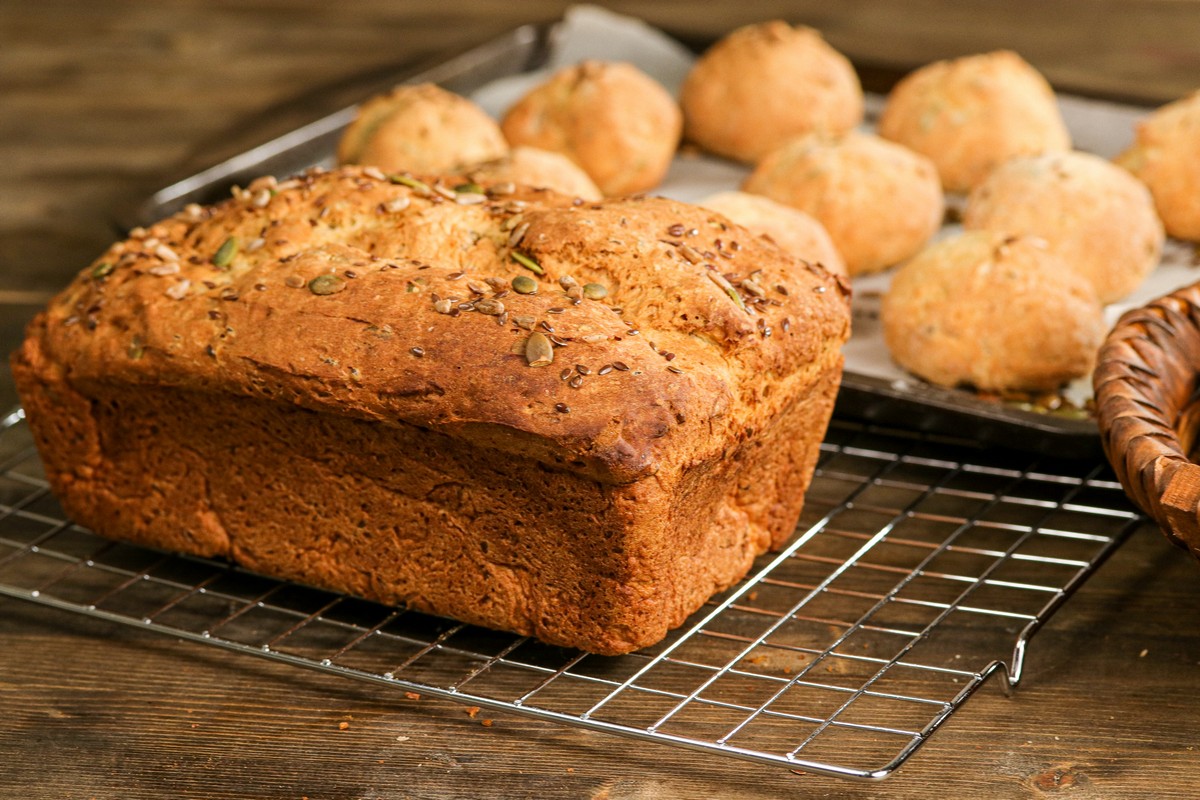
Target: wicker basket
[(1145, 382)]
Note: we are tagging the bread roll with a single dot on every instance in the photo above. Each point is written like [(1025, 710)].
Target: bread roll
[(764, 84), (422, 129), (1095, 217), (993, 312), (610, 118), (793, 230), (969, 115), (1166, 157), (879, 201)]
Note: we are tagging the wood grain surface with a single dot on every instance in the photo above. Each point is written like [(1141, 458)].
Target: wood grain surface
[(102, 103)]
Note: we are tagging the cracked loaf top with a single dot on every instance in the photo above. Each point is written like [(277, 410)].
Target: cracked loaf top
[(609, 338)]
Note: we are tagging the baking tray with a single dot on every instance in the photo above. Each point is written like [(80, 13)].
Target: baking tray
[(865, 394), (921, 569)]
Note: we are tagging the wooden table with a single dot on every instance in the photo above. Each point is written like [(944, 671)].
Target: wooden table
[(101, 103)]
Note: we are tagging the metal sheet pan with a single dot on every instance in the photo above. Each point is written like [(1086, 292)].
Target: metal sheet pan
[(865, 393)]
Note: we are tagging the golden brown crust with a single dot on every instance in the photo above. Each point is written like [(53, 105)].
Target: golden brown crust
[(970, 114), (421, 128), (794, 231), (610, 118), (764, 84), (532, 166), (321, 330), (880, 202), (1164, 157), (1095, 217), (993, 312)]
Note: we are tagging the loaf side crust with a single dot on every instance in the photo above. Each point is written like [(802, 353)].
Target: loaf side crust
[(326, 380)]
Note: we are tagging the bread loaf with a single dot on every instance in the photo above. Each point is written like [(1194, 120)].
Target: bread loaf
[(342, 379)]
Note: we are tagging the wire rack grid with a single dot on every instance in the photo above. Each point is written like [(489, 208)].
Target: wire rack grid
[(922, 568)]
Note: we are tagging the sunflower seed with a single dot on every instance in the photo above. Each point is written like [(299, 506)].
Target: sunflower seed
[(179, 290), (518, 233), (753, 288), (725, 285), (489, 306)]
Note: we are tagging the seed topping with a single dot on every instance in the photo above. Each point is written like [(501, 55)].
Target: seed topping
[(489, 306), (225, 253), (326, 284), (528, 263), (523, 284), (538, 350)]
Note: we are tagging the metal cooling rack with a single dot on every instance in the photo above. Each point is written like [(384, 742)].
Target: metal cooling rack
[(922, 568)]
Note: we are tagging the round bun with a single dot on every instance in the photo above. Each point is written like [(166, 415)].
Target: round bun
[(611, 119), (764, 84), (879, 202), (421, 129), (993, 312), (1166, 157), (792, 230), (1097, 218), (971, 114), (532, 166)]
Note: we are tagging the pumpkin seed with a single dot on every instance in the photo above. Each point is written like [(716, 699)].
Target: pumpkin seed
[(102, 270), (538, 350), (225, 253), (528, 263), (523, 284), (595, 291), (421, 187), (326, 284)]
